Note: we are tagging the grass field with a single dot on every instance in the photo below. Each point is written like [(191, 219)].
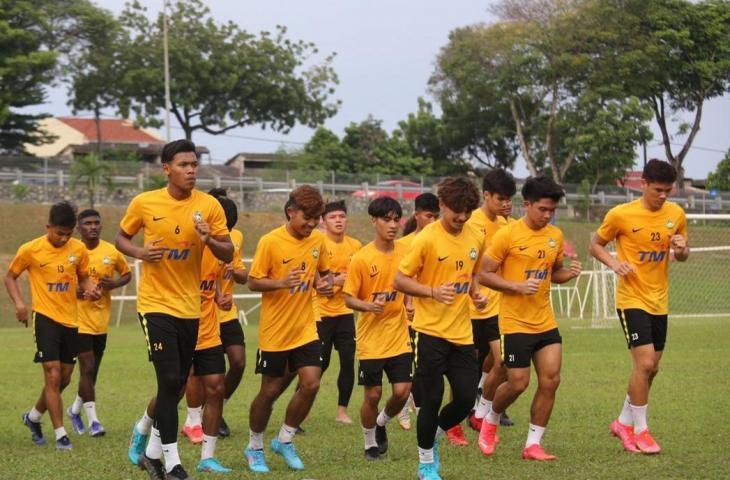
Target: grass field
[(688, 415)]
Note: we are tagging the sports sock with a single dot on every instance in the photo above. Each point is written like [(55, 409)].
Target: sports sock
[(481, 379), (534, 435), (626, 417), (483, 408), (76, 406), (382, 419), (255, 440), (425, 455), (172, 457), (208, 450), (194, 416), (369, 434), (639, 415), (90, 409), (286, 433), (154, 446), (34, 415), (493, 417), (145, 424), (60, 432), (439, 433)]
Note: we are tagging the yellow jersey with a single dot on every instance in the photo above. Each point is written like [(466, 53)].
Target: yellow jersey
[(643, 240), (437, 257), (340, 254), (171, 285), (104, 260), (209, 329), (53, 273), (370, 278), (488, 228), (407, 240), (226, 281), (287, 315), (523, 254)]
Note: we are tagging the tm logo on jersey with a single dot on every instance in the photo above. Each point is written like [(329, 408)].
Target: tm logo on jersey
[(60, 287), (178, 254), (652, 256), (386, 296), (207, 285), (538, 274), (461, 288), (301, 288)]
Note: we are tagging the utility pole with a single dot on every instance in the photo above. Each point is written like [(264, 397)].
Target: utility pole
[(168, 102)]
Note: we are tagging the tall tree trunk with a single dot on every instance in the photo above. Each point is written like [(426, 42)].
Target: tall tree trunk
[(97, 122), (521, 136), (549, 137)]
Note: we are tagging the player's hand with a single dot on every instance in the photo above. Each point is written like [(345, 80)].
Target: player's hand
[(480, 300), (324, 288), (224, 301), (378, 306), (293, 279), (203, 231), (21, 313), (107, 283), (152, 252), (575, 268), (528, 287), (339, 278), (80, 293), (93, 294), (624, 268), (445, 293), (678, 242)]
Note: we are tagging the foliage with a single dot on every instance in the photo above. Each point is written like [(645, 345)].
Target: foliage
[(720, 178), (90, 171), (155, 182), (19, 191)]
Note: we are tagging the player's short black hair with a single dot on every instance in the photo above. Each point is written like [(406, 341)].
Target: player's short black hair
[(536, 188), (335, 206), (231, 211), (500, 181), (381, 207), (176, 146), (427, 202), (218, 192), (459, 194), (410, 226), (659, 171), (89, 212), (62, 214)]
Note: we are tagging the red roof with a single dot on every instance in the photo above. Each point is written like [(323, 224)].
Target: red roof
[(113, 130), (632, 181)]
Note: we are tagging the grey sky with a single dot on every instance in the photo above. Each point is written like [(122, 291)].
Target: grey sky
[(385, 54)]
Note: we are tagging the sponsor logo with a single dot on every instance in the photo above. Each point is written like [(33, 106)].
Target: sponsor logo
[(441, 259), (522, 249), (106, 260), (386, 296), (473, 253), (539, 274), (315, 252), (197, 216), (670, 224), (207, 285), (634, 230), (652, 256), (72, 259), (59, 287), (286, 261), (157, 219), (44, 264), (178, 254), (552, 243), (461, 288)]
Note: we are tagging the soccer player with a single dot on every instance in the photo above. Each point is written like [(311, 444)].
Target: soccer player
[(178, 222), (498, 189), (529, 253), (284, 268), (438, 273), (93, 318), (383, 342), (646, 231), (56, 264), (337, 325)]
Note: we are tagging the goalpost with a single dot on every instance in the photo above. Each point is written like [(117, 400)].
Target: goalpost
[(697, 287)]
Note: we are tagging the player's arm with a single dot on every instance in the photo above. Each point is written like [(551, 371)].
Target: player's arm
[(489, 278), (355, 303), (561, 274), (11, 285), (410, 286), (91, 290), (480, 301), (240, 276), (600, 252), (151, 252), (109, 283), (679, 241), (265, 284)]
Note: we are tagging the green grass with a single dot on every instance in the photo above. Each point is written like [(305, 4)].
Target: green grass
[(688, 412)]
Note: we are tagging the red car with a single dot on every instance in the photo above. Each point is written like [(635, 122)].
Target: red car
[(389, 188)]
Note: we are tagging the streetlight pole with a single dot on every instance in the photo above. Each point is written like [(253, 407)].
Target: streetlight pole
[(168, 102)]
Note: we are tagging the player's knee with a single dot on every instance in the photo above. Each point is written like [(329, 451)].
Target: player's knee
[(519, 384), (216, 391), (647, 366), (310, 387), (237, 365), (549, 382), (373, 395)]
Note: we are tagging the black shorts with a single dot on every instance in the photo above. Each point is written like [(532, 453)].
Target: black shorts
[(54, 341), (436, 356), (170, 338), (643, 328), (92, 343), (399, 369), (518, 348), (232, 334), (412, 334), (338, 331), (275, 364), (485, 331), (209, 361)]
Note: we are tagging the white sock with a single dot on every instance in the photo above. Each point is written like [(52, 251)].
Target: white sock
[(225, 400), (534, 435), (626, 418), (439, 433), (255, 440), (208, 447), (369, 434), (34, 415), (382, 418), (639, 415), (172, 457), (76, 406), (483, 407), (425, 455), (194, 416), (144, 425), (493, 417), (154, 445), (60, 432), (286, 433), (90, 409)]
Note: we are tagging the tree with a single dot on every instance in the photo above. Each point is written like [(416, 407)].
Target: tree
[(92, 173), (221, 76), (720, 178), (25, 69)]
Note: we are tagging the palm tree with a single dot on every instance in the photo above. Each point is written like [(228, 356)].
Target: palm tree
[(91, 172)]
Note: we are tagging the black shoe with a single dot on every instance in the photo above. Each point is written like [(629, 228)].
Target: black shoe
[(300, 431), (505, 421), (178, 473), (381, 436), (153, 467), (372, 454), (223, 430)]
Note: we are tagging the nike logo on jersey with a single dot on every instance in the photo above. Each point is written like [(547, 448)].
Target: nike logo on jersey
[(441, 259), (43, 265), (523, 248), (156, 219), (634, 230), (374, 274), (286, 261)]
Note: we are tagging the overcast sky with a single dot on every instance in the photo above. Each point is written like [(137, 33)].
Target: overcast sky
[(385, 55)]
